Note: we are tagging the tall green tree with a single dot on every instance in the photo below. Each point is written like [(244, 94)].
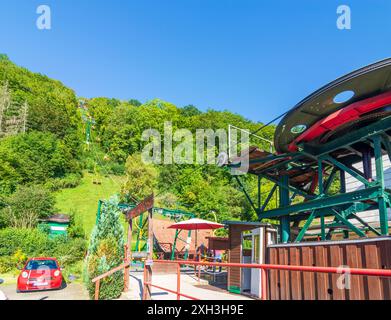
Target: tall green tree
[(106, 251)]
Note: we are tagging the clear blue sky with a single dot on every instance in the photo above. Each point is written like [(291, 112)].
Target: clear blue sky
[(257, 58)]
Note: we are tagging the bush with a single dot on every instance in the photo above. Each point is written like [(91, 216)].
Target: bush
[(26, 206), (68, 251), (6, 264), (106, 251), (27, 243), (70, 181), (116, 169), (106, 258), (32, 242), (75, 228), (33, 158)]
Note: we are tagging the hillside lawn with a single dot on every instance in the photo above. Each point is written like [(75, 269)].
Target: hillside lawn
[(83, 200)]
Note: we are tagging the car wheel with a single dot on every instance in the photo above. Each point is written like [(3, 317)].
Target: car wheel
[(63, 284)]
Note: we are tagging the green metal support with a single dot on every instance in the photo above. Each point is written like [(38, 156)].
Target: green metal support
[(187, 249), (284, 202), (380, 180), (387, 145), (323, 227), (177, 232), (348, 170), (269, 196), (259, 192), (289, 188), (330, 201), (246, 194), (365, 224), (98, 211), (140, 227), (320, 177), (330, 180), (306, 226), (351, 226)]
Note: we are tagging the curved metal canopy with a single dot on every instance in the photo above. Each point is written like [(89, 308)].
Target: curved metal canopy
[(361, 84)]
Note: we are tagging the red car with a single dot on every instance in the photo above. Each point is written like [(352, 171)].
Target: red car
[(40, 274)]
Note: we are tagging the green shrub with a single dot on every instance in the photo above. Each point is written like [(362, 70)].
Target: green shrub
[(75, 228), (106, 258), (27, 205), (70, 181), (33, 158), (6, 264), (68, 251), (30, 243), (117, 169), (106, 251)]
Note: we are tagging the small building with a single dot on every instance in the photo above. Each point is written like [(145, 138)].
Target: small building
[(247, 244), (58, 224)]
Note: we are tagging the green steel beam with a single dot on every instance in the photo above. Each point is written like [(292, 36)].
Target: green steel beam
[(177, 232), (330, 180), (98, 211), (387, 145), (377, 140), (366, 224), (187, 248), (307, 224), (320, 177), (289, 188), (246, 194), (259, 192), (280, 164), (269, 196), (325, 202), (266, 159), (351, 226), (348, 170), (323, 228), (284, 201)]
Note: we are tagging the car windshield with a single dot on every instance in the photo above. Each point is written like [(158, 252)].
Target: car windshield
[(41, 264)]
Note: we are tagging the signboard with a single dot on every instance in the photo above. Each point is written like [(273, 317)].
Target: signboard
[(142, 207)]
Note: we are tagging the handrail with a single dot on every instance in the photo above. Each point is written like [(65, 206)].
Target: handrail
[(352, 271), (110, 272), (263, 268), (97, 279)]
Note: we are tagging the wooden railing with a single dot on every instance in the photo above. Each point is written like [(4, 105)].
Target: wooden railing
[(97, 279)]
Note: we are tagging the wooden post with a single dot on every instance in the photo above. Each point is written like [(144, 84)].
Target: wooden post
[(145, 286), (97, 285), (128, 256), (178, 282), (148, 267)]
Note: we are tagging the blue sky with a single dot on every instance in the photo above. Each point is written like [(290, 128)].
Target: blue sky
[(257, 58)]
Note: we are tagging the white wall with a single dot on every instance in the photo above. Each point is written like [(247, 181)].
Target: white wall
[(352, 184)]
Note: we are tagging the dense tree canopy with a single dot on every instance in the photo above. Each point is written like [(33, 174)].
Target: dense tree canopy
[(51, 147)]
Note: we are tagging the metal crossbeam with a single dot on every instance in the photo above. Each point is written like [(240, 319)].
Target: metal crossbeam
[(325, 202)]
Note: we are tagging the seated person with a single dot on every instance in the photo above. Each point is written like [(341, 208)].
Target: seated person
[(201, 251)]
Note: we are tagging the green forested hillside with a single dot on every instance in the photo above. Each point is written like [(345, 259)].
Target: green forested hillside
[(52, 152)]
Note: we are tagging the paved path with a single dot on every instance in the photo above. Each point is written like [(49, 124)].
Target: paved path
[(73, 291), (189, 285)]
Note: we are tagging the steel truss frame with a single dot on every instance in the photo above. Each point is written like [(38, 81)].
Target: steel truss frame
[(343, 206)]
